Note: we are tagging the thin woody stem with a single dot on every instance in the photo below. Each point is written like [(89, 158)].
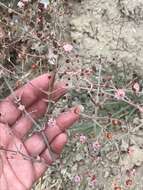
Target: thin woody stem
[(6, 7)]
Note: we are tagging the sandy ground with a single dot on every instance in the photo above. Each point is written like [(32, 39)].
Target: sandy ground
[(111, 29)]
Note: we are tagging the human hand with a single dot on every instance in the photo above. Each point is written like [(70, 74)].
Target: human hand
[(23, 161)]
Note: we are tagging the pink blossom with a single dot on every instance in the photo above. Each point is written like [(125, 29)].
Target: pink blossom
[(93, 181), (130, 151), (96, 146), (136, 87), (82, 139), (120, 94), (68, 47), (51, 122), (38, 20), (131, 172), (21, 107), (20, 4), (77, 179)]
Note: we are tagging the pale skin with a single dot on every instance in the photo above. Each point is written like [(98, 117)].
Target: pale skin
[(19, 169)]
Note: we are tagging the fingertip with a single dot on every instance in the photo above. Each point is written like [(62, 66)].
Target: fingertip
[(67, 119), (60, 89), (78, 109), (59, 143)]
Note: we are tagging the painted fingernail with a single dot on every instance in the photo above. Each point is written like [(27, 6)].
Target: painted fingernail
[(79, 109), (49, 77)]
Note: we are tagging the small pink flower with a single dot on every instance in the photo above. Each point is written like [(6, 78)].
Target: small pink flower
[(20, 4), (130, 151), (93, 181), (136, 87), (21, 107), (77, 179), (51, 122), (133, 172), (38, 20), (96, 146), (68, 47), (120, 94), (82, 139)]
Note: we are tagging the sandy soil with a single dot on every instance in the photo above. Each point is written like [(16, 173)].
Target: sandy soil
[(111, 29)]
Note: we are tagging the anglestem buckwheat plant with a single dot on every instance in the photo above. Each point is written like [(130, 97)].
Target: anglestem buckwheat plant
[(33, 40)]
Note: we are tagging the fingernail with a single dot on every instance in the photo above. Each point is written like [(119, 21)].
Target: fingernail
[(49, 77), (79, 109)]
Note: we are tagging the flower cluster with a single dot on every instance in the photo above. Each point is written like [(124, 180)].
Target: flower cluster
[(22, 3)]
